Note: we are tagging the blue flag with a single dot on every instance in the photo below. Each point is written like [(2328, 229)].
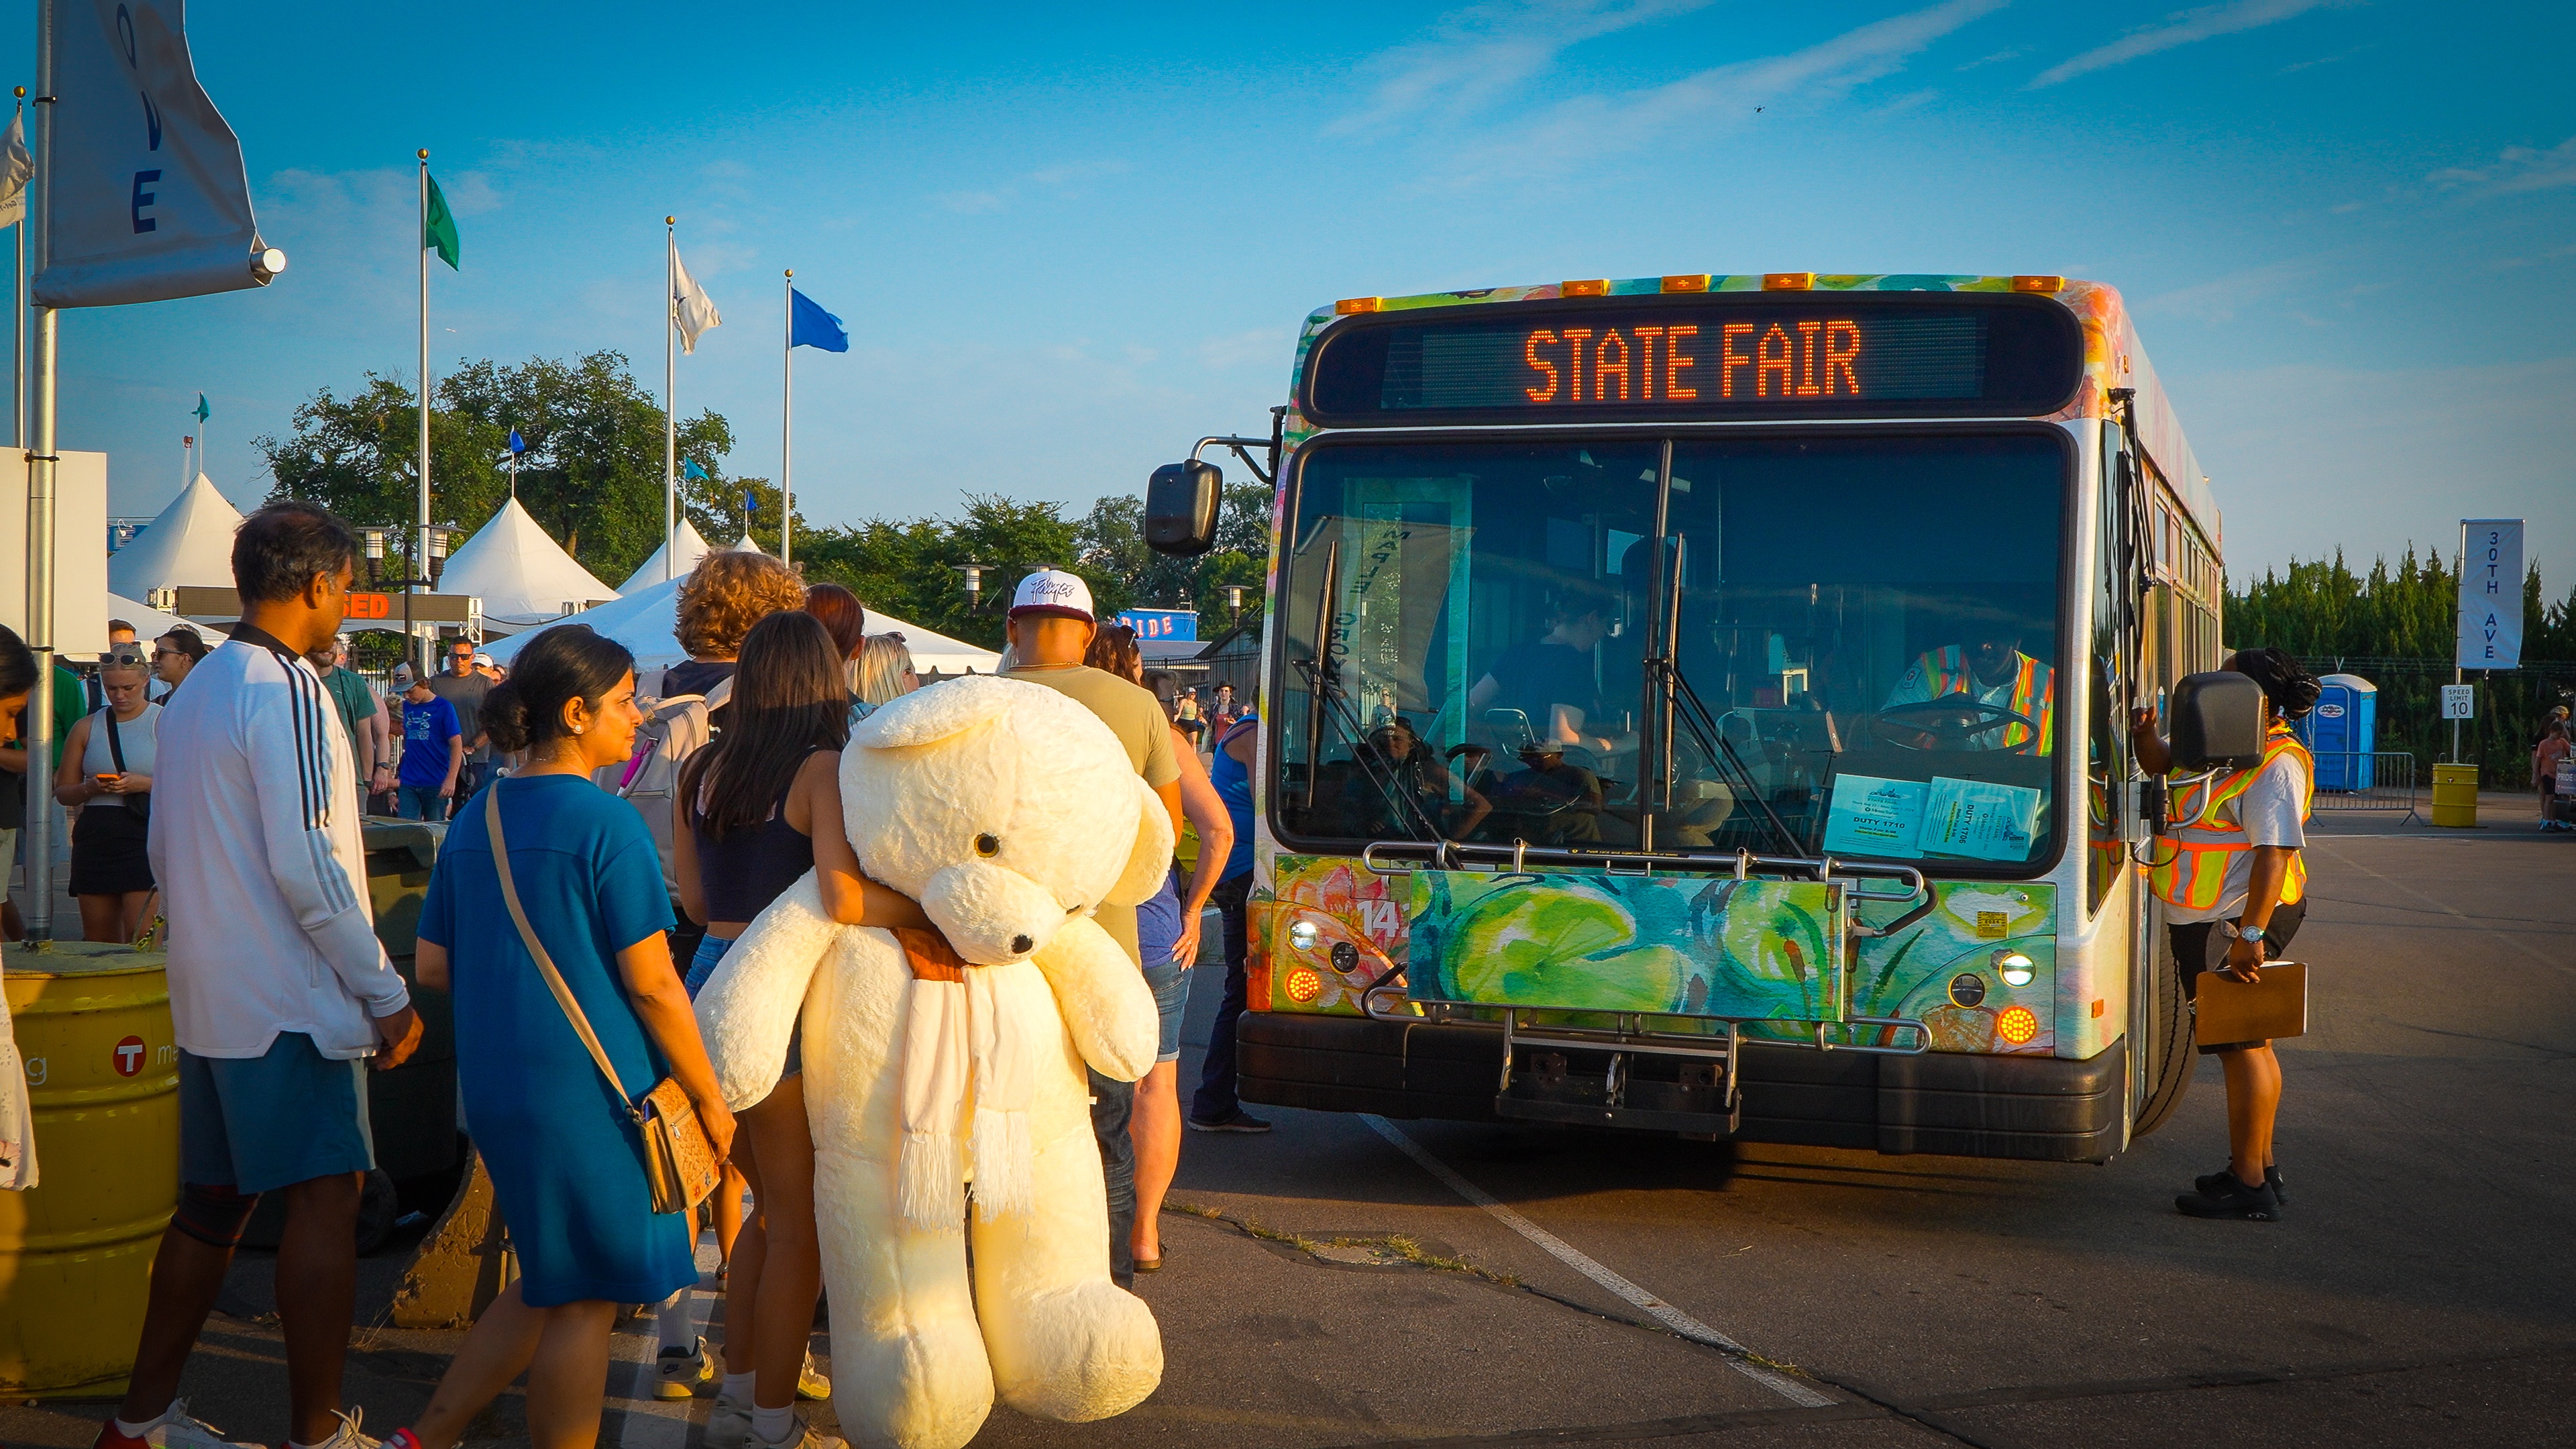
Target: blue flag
[(750, 504), (689, 469), (814, 327), (517, 444)]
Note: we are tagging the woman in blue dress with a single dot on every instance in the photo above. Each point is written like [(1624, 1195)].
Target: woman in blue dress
[(565, 1157)]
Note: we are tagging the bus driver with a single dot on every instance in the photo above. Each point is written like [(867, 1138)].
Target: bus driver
[(1990, 670), (1551, 682)]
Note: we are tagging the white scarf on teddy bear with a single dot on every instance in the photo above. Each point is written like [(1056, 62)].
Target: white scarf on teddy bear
[(962, 1037)]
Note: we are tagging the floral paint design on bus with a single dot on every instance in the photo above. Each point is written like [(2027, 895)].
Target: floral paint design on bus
[(1355, 931), (1666, 945)]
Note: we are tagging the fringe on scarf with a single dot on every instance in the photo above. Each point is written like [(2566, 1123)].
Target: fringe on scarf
[(930, 1186), (1004, 1164)]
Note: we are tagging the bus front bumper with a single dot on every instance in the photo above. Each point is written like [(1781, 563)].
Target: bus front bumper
[(2038, 1108)]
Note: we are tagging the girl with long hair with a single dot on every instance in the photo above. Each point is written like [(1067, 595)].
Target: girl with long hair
[(563, 1152), (759, 808)]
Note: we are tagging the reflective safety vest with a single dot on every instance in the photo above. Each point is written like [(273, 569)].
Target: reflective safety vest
[(2206, 836), (2034, 692)]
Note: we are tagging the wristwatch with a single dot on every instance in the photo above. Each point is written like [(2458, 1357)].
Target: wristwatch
[(2250, 933)]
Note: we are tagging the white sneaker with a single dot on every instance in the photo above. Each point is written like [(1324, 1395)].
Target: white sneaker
[(177, 1430), (347, 1435), (729, 1424), (801, 1435), (811, 1383), (680, 1373)]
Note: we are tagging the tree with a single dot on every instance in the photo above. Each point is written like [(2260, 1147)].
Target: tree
[(592, 475)]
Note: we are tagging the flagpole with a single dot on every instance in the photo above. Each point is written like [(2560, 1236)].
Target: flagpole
[(18, 314), (671, 403), (37, 723), (420, 522), (787, 431)]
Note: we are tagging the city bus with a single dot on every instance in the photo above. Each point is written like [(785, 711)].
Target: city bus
[(1697, 705)]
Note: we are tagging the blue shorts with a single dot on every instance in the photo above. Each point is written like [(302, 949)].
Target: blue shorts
[(711, 949), (1170, 983), (258, 1123)]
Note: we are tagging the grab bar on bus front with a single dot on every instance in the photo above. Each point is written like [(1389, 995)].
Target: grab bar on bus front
[(1520, 854)]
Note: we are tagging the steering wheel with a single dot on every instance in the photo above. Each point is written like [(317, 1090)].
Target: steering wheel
[(1949, 723)]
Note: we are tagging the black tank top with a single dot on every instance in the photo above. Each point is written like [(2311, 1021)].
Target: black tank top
[(740, 874)]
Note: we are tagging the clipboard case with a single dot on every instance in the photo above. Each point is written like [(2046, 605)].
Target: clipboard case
[(2273, 1006)]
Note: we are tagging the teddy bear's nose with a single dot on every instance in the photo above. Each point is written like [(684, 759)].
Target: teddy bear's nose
[(1021, 945)]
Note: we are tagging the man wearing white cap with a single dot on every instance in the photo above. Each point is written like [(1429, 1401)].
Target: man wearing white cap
[(1051, 626)]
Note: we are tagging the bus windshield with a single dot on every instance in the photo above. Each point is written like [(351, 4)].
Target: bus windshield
[(1862, 633)]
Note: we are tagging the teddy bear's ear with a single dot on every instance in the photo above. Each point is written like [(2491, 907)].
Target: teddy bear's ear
[(1143, 876), (934, 713)]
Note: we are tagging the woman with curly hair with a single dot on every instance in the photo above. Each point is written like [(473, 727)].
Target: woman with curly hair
[(719, 602)]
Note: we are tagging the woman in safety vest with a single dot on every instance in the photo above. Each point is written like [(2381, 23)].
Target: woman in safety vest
[(2235, 889)]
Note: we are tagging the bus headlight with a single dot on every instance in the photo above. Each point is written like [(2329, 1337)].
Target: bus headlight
[(1303, 935), (2014, 967)]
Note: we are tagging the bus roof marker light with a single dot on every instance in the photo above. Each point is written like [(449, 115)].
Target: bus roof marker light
[(1788, 281), (2039, 284), (1590, 287), (1688, 282), (1353, 306), (2015, 968)]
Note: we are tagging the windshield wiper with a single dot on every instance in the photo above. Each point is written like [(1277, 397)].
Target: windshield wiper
[(1324, 691), (1683, 702)]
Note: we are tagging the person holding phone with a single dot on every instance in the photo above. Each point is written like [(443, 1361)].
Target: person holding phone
[(2235, 889), (107, 766)]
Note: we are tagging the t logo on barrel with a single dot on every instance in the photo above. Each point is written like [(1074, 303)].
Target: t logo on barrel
[(128, 1056)]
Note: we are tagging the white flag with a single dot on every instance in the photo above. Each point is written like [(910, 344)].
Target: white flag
[(16, 169), (2490, 593), (148, 196), (692, 310)]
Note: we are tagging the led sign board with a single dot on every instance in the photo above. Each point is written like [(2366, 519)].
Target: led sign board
[(1722, 356)]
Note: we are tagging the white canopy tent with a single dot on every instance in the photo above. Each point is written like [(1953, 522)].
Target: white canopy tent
[(692, 548), (643, 621), (150, 623), (523, 577), (189, 544)]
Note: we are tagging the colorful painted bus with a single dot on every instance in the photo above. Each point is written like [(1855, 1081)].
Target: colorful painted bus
[(1697, 704)]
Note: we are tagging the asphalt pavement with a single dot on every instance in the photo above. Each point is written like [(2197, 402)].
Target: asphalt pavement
[(1347, 1281)]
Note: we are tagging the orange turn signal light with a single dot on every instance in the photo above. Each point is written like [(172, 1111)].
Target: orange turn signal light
[(1349, 306), (1693, 282), (1592, 287), (1788, 281), (2039, 284)]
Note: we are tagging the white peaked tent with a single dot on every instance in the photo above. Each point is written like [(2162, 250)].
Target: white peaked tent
[(643, 621), (745, 545), (190, 543), (692, 549), (150, 623), (521, 574)]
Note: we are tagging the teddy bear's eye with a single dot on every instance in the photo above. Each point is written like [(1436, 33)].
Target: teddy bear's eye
[(988, 846)]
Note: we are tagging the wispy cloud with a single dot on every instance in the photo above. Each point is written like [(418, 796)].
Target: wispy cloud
[(1587, 128), (2516, 168), (2183, 27), (2215, 302), (2000, 55), (1479, 54), (1061, 180)]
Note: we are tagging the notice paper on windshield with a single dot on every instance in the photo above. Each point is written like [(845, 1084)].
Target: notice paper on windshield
[(1978, 819), (1870, 816)]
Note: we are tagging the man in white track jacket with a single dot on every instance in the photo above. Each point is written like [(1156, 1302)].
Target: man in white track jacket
[(278, 987)]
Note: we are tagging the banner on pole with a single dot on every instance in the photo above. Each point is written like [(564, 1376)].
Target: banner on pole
[(2490, 593), (148, 198)]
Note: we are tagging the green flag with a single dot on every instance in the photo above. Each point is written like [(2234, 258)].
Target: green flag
[(438, 228), (203, 412)]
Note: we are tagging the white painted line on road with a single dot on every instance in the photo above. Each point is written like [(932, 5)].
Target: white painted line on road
[(1583, 1263), (2457, 914)]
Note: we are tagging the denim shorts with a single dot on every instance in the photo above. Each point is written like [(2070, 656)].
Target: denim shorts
[(711, 949), (1170, 983), (255, 1124)]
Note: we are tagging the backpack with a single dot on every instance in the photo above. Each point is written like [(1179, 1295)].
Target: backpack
[(676, 728)]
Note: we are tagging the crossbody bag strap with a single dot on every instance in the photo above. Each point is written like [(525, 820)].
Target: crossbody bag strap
[(545, 963), (115, 741)]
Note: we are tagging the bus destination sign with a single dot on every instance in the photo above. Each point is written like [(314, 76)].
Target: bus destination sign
[(1725, 356)]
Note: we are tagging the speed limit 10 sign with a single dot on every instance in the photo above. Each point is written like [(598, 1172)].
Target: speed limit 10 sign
[(2459, 701)]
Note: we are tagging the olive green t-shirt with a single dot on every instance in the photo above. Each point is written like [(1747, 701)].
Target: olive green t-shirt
[(1137, 719)]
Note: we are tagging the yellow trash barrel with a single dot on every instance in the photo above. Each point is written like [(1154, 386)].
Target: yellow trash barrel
[(2455, 796), (92, 1022)]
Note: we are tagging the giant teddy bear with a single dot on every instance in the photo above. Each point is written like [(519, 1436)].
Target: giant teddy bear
[(1010, 813)]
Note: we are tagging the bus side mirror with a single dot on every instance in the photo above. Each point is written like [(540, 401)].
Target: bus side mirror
[(1180, 508), (2217, 720)]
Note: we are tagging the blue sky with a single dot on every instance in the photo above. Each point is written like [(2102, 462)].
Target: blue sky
[(1069, 240)]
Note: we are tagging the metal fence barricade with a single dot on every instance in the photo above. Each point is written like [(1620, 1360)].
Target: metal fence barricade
[(2366, 780)]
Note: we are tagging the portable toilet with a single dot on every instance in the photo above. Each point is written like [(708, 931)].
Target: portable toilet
[(2343, 731)]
